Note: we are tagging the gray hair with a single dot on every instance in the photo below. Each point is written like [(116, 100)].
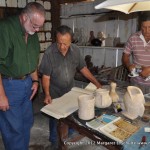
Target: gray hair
[(33, 7)]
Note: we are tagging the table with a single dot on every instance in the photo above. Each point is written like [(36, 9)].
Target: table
[(96, 137)]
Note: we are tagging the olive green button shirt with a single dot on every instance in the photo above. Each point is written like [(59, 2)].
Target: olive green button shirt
[(17, 58)]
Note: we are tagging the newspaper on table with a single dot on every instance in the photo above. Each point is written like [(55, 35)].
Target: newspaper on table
[(114, 127), (100, 121)]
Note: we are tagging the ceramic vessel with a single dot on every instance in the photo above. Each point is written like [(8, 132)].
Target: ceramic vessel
[(86, 105), (134, 101), (102, 98)]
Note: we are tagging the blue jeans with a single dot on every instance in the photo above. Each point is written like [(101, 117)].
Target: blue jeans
[(53, 130), (15, 123)]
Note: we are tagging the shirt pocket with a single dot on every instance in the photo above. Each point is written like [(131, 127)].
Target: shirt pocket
[(56, 71), (74, 64)]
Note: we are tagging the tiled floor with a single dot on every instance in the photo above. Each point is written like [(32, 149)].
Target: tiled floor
[(40, 132)]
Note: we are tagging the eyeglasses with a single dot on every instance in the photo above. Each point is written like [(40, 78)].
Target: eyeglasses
[(33, 26)]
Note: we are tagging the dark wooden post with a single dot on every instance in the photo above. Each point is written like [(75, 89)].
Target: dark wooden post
[(55, 17)]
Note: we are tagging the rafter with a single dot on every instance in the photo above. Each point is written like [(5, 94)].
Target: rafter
[(73, 1)]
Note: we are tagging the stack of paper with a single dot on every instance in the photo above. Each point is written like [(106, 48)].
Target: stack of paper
[(65, 105)]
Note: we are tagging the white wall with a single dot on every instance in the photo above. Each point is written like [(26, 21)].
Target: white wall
[(107, 22), (107, 56)]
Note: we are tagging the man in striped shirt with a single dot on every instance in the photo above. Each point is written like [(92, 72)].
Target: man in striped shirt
[(138, 45)]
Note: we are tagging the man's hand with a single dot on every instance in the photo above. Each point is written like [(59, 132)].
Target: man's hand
[(34, 89), (98, 85), (4, 105), (47, 99), (131, 67), (145, 72)]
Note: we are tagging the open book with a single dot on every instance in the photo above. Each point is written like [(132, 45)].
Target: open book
[(114, 127), (119, 129), (100, 121), (67, 104)]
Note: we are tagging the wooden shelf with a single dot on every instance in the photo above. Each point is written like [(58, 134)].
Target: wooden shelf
[(45, 31), (46, 41)]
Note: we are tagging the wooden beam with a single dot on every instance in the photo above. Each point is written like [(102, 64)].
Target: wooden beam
[(72, 1), (55, 17)]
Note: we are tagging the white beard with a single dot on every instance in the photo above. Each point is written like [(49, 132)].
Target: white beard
[(31, 33)]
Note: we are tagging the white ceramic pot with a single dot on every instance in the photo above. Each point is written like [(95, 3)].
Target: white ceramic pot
[(102, 98), (134, 101), (86, 107)]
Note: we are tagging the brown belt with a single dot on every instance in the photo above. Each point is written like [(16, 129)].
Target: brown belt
[(14, 78)]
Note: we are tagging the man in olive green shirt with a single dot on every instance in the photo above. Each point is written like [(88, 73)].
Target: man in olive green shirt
[(19, 51)]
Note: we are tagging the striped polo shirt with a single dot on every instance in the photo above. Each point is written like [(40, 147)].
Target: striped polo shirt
[(140, 51)]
